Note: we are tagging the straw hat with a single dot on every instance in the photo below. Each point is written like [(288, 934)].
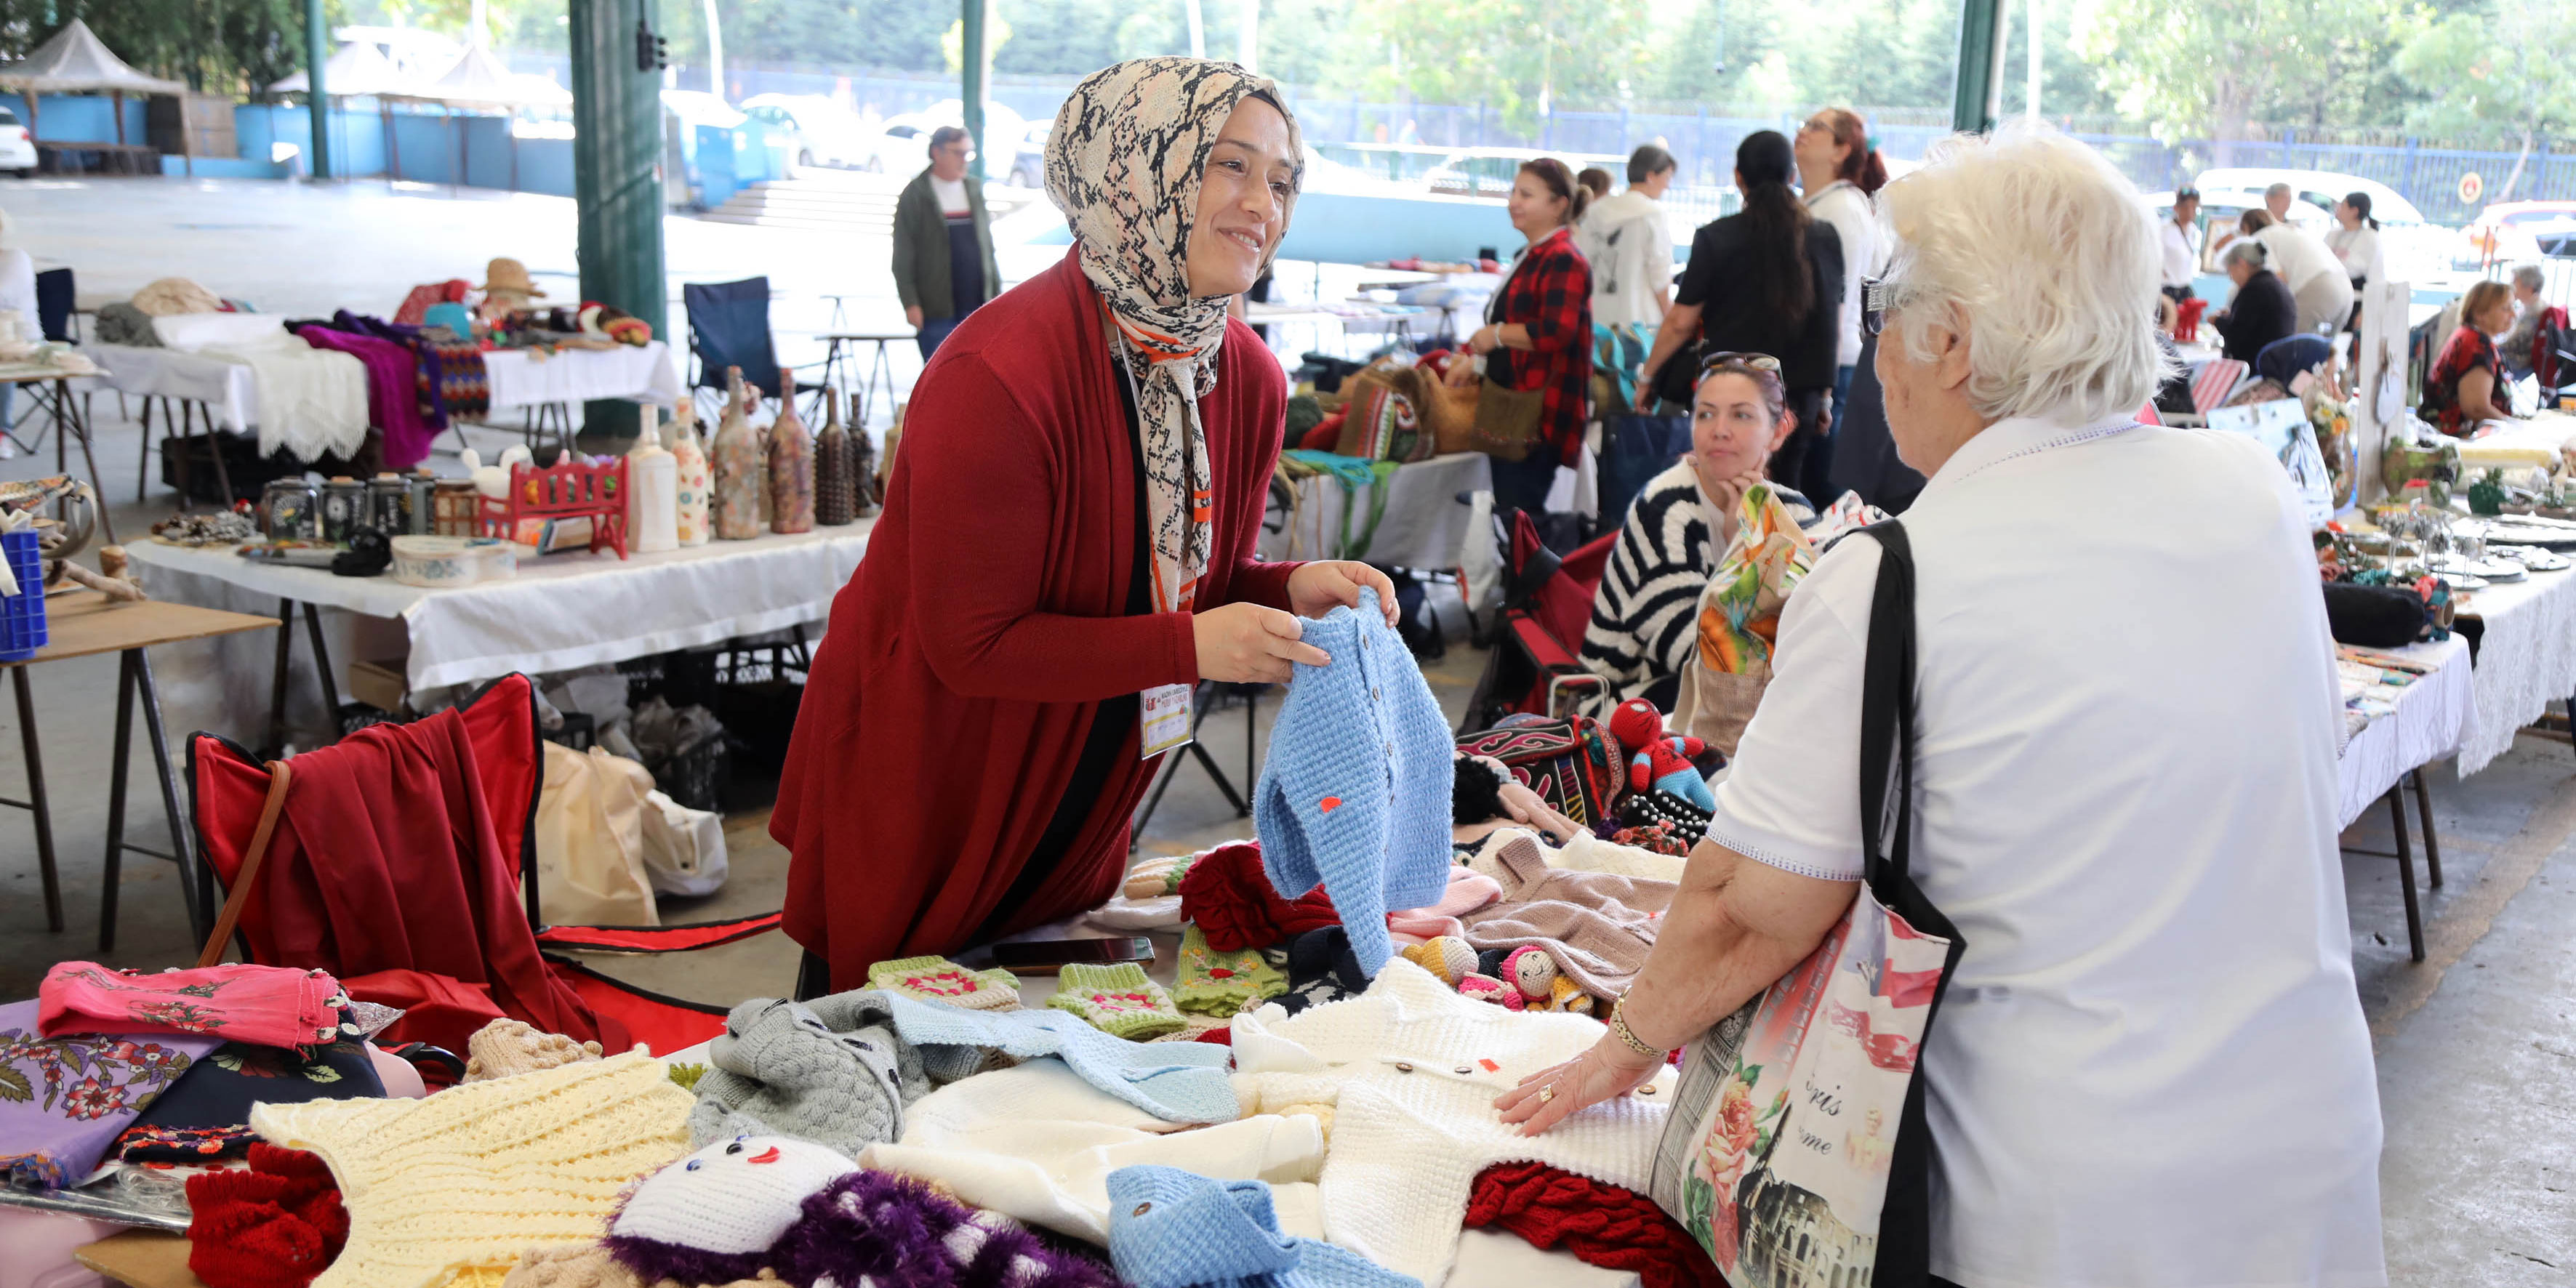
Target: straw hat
[(508, 276)]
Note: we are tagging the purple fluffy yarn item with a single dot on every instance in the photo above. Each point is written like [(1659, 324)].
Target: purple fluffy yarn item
[(882, 1229)]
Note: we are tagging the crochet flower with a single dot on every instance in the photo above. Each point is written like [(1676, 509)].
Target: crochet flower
[(92, 1100), (938, 983)]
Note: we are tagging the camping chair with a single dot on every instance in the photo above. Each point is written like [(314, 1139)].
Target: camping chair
[(54, 317), (229, 786), (729, 327), (1547, 602)]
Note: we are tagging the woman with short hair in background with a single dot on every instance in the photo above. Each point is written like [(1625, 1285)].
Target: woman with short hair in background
[(2466, 384)]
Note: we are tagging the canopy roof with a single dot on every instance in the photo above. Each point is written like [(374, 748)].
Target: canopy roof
[(358, 69), (479, 80), (75, 62)]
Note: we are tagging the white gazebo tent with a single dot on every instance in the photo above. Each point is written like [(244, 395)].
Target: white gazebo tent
[(75, 62), (479, 80), (358, 70)]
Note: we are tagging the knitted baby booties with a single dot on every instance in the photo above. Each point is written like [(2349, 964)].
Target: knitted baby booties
[(504, 1048), (937, 979), (276, 1225), (1117, 1000), (1447, 957), (1222, 984)]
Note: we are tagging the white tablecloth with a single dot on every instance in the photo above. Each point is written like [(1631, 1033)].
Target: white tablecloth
[(1424, 526), (562, 611), (2526, 660), (228, 389), (2427, 725), (520, 378)]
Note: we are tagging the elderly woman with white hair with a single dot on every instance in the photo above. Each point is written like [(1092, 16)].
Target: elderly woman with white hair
[(2150, 1066)]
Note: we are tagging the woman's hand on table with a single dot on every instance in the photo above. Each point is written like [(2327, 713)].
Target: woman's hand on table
[(1251, 644), (1317, 588), (1530, 809), (1544, 1099)]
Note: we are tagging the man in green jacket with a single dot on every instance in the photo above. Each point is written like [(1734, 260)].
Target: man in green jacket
[(943, 243)]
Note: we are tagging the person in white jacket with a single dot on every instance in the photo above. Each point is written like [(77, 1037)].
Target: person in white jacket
[(1628, 239), (2315, 277)]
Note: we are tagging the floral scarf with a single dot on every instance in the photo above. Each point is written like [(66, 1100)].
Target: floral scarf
[(63, 1100), (1123, 164)]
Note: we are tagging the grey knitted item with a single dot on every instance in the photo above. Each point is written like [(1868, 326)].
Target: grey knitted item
[(830, 1071)]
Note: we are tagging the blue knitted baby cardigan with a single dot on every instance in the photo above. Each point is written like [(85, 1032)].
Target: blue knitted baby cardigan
[(1355, 793), (1179, 1082), (1173, 1229)]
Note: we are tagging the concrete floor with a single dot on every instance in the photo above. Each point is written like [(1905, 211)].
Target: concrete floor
[(2476, 1046)]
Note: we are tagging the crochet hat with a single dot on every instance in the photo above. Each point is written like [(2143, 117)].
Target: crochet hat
[(1172, 1229), (714, 1216), (830, 1071), (506, 1047), (1355, 794), (1228, 897)]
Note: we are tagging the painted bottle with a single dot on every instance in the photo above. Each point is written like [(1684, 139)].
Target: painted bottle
[(695, 483), (791, 464), (863, 464), (652, 491), (741, 476), (836, 484)]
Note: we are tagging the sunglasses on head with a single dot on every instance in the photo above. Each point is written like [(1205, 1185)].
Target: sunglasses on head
[(1748, 361)]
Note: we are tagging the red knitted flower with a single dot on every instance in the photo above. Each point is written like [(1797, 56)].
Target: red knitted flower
[(1602, 1225), (276, 1225), (1230, 898)]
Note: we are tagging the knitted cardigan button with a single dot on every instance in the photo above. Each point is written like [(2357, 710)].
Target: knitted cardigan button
[(1646, 1090), (1402, 1067), (1142, 1209), (1467, 1069)]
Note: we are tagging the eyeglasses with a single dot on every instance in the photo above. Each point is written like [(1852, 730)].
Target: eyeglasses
[(1877, 295), (1749, 361)]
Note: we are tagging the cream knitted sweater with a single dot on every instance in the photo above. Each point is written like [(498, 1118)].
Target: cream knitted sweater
[(1412, 1069), (477, 1174)]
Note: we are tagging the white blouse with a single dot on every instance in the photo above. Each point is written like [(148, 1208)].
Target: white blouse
[(2151, 1068), (2358, 248), (1855, 220)]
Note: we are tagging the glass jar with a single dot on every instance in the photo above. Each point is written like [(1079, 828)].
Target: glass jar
[(455, 504), (291, 510), (420, 509), (344, 507), (388, 504)]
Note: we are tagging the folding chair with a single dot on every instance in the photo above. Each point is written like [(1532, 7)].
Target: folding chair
[(729, 327), (229, 786), (1547, 602)]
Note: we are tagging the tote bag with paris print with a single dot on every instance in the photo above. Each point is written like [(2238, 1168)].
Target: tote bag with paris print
[(1797, 1153)]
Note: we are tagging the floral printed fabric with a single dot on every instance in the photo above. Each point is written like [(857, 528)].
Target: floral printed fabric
[(1739, 613), (1124, 163), (217, 1092), (64, 1099), (262, 1005)]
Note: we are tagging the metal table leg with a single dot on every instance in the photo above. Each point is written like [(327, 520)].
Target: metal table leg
[(36, 802), (2406, 874), (322, 667), (2432, 841), (277, 684), (116, 775), (183, 851)]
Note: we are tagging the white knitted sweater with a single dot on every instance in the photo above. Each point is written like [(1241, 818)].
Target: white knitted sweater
[(1412, 1069)]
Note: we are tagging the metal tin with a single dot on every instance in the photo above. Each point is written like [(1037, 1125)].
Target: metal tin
[(389, 505), (454, 507), (420, 509), (291, 510), (344, 506)]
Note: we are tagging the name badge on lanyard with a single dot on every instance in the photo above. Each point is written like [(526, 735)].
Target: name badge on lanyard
[(1163, 719)]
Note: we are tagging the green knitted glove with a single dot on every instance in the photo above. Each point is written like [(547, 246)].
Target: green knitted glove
[(937, 979), (1222, 984), (1117, 1000)]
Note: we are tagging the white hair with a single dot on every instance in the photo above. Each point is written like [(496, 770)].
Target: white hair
[(2279, 190), (2526, 276), (2044, 258), (2252, 253)]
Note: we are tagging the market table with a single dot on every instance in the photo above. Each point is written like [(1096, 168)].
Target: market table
[(2427, 723), (518, 378), (2526, 660), (1419, 524), (560, 612)]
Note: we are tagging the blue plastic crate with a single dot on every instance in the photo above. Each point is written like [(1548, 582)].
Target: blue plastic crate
[(22, 616)]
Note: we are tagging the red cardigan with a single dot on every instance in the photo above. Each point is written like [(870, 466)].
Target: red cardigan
[(951, 695)]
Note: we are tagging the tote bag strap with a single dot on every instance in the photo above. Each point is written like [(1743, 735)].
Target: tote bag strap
[(279, 775), (1887, 719)]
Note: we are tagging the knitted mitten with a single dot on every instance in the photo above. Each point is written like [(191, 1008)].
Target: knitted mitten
[(1222, 984), (937, 979), (505, 1048), (1157, 878), (1449, 959), (276, 1225), (1117, 1000)]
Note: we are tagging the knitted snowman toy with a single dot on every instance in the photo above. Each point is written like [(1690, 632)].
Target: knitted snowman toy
[(771, 1207)]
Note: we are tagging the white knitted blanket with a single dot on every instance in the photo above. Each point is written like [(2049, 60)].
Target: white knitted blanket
[(1412, 1069), (311, 401)]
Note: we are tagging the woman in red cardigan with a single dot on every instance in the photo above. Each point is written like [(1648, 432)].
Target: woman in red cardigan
[(1069, 528)]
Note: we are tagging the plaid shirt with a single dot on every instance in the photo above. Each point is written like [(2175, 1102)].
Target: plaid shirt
[(1550, 293)]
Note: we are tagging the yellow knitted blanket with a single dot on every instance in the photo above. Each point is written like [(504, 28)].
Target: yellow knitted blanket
[(477, 1174)]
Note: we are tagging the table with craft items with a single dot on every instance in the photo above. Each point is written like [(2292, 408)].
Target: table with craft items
[(560, 612), (1410, 518), (52, 393), (2427, 722), (83, 624)]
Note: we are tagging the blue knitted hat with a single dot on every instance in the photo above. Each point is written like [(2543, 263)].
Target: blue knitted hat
[(1355, 793)]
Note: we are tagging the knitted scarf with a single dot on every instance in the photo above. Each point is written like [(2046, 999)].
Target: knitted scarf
[(1123, 164)]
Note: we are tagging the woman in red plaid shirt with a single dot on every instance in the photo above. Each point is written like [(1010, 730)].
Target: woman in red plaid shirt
[(1538, 331)]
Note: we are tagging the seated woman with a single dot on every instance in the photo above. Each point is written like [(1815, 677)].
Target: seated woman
[(2262, 309), (2527, 349), (2465, 385), (1641, 632)]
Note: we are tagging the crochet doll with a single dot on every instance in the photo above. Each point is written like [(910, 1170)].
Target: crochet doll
[(1542, 986), (770, 1207)]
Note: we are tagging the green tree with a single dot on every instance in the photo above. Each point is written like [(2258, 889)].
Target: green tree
[(225, 46), (2214, 70), (1514, 54), (2490, 73)]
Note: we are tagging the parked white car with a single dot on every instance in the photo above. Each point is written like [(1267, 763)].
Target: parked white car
[(826, 133), (1006, 138), (2413, 249), (17, 151)]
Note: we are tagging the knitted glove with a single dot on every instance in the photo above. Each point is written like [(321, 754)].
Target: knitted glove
[(504, 1048), (1222, 984), (1117, 1000), (937, 979), (276, 1225)]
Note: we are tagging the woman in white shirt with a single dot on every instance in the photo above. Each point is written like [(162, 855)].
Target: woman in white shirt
[(1839, 170), (18, 292), (2315, 277), (2355, 241), (2151, 1067)]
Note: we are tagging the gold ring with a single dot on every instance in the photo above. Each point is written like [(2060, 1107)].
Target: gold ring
[(1546, 1094)]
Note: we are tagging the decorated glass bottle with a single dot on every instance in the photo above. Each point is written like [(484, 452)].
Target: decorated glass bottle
[(863, 464), (652, 491), (741, 474), (836, 484), (791, 464), (695, 482)]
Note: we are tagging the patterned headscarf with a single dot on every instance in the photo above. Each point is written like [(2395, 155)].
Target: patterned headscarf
[(1123, 164)]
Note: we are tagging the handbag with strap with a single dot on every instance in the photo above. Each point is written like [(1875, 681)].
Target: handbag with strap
[(1507, 420), (1569, 762), (1799, 1139), (247, 876)]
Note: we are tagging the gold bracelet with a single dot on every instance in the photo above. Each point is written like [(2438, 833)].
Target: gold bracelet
[(1619, 1029)]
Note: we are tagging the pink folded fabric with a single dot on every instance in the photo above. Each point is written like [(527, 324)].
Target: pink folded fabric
[(1468, 892), (262, 1005), (1423, 923)]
